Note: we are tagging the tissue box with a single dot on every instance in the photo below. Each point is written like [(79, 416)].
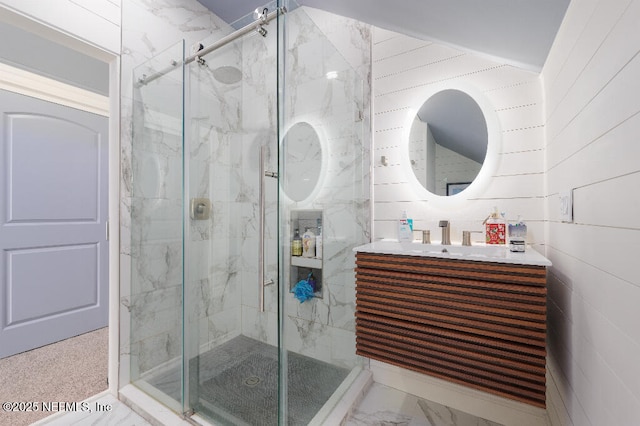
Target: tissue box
[(517, 236), (517, 244), (496, 233)]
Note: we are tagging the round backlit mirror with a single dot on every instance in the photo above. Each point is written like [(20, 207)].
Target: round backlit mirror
[(302, 161), (448, 142)]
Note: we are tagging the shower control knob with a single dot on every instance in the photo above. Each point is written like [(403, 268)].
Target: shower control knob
[(200, 208)]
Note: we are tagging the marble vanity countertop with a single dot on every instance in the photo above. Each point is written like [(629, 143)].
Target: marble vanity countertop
[(475, 253)]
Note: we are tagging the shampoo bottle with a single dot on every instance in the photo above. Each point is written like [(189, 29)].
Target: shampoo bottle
[(311, 280), (319, 239), (308, 243), (296, 244)]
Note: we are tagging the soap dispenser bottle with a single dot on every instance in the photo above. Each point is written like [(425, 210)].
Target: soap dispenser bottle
[(405, 228), (495, 227)]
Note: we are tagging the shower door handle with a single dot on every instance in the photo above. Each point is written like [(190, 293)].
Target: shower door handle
[(262, 283), (261, 229)]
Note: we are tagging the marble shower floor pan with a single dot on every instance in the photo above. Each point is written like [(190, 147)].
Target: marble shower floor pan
[(238, 384)]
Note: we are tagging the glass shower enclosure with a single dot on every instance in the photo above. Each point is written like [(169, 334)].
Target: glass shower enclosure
[(237, 148)]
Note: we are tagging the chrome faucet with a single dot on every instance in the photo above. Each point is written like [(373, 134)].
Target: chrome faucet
[(426, 235), (446, 232), (466, 237)]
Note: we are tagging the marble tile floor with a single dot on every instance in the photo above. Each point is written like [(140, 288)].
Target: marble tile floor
[(382, 406), (385, 406)]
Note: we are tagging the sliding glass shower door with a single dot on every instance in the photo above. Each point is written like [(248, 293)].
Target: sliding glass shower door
[(157, 226), (231, 339), (236, 148)]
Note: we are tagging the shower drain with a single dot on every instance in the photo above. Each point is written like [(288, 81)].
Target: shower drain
[(252, 381)]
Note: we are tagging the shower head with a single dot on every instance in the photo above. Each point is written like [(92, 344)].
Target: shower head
[(227, 74)]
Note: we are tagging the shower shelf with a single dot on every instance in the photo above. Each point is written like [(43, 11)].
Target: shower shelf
[(301, 267), (306, 262)]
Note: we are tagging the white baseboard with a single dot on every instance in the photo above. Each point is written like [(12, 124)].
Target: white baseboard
[(472, 401)]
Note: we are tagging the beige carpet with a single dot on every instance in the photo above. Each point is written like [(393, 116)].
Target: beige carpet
[(66, 371)]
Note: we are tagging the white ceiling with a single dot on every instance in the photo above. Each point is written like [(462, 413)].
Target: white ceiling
[(519, 32)]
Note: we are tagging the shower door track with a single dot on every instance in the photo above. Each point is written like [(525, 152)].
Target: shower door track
[(256, 25)]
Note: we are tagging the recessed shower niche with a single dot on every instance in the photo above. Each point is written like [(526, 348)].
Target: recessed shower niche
[(304, 264)]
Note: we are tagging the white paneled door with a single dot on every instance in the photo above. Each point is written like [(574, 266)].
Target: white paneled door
[(53, 219)]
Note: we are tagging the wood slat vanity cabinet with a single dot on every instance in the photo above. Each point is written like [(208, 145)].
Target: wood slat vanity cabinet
[(475, 323)]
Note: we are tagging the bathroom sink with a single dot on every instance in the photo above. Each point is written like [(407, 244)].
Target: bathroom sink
[(478, 253), (449, 250)]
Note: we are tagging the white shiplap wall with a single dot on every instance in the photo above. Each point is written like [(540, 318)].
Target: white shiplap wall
[(404, 69), (592, 89)]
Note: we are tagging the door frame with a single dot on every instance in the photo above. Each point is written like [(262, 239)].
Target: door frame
[(34, 85)]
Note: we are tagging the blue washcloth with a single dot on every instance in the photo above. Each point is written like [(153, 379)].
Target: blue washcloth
[(302, 291)]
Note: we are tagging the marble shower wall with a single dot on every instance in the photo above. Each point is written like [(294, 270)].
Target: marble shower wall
[(213, 283), (339, 110), (151, 179)]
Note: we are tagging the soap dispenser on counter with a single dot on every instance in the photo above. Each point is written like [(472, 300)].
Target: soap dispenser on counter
[(495, 227), (405, 228)]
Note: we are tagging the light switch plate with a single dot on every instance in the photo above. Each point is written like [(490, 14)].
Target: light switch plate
[(566, 206)]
